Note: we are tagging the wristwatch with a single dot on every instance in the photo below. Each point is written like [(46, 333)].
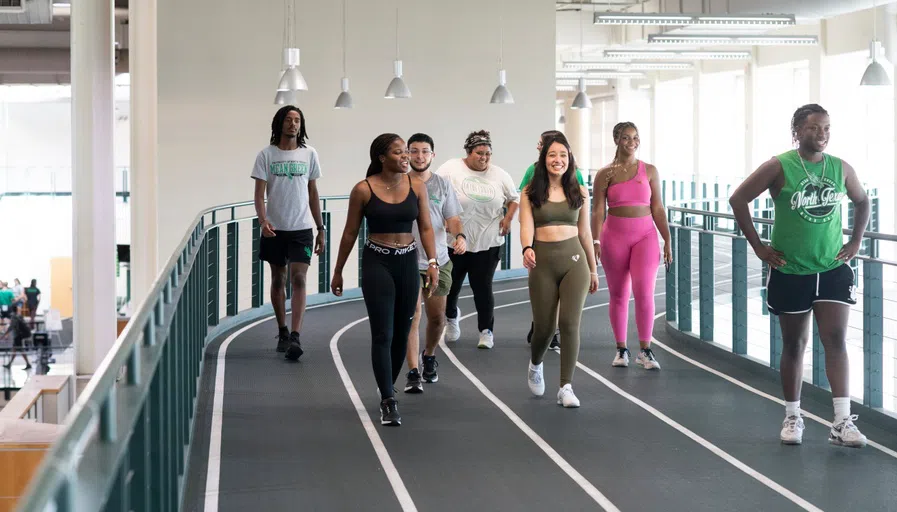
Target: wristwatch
[(322, 227)]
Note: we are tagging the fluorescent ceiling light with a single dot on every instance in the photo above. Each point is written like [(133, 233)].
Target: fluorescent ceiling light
[(677, 54), (633, 18), (574, 81), (565, 88), (599, 74), (628, 66), (732, 40)]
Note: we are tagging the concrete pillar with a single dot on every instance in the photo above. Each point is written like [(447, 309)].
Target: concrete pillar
[(144, 146), (579, 134), (696, 119), (817, 68), (750, 96), (93, 182)]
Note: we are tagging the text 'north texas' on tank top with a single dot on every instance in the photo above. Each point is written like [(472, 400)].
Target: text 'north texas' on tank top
[(807, 226)]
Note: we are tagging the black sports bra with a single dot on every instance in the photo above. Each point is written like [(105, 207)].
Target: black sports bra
[(386, 217)]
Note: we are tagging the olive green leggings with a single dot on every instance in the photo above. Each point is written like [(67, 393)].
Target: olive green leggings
[(561, 278)]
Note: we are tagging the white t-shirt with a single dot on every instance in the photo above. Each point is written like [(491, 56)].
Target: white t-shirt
[(483, 196), (287, 174)]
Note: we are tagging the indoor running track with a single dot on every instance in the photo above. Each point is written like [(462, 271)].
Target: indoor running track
[(701, 434)]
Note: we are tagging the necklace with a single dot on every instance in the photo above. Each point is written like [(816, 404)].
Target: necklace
[(394, 185), (816, 181)]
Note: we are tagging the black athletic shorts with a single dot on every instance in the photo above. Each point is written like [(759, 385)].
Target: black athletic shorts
[(790, 293), (287, 247)]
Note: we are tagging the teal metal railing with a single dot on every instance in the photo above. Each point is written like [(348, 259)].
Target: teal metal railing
[(739, 328), (125, 443)]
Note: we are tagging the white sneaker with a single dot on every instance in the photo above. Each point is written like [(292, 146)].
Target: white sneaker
[(646, 359), (792, 430), (453, 326), (566, 397), (845, 433), (535, 380), (486, 339), (622, 358)]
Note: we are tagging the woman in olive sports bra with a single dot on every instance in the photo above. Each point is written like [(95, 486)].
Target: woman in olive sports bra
[(555, 233)]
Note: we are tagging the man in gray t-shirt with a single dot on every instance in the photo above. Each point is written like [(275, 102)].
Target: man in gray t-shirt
[(287, 170), (445, 214)]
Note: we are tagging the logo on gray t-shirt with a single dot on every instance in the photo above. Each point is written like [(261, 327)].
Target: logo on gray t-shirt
[(287, 174)]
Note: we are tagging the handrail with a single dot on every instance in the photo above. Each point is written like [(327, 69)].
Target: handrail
[(96, 405), (873, 235), (868, 270)]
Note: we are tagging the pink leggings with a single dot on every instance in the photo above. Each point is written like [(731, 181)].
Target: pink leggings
[(629, 249)]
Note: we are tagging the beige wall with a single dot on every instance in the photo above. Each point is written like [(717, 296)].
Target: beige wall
[(219, 64)]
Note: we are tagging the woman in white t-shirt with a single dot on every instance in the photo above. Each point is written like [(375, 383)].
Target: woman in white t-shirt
[(484, 190)]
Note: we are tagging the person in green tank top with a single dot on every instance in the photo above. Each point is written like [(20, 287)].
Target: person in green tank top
[(808, 259)]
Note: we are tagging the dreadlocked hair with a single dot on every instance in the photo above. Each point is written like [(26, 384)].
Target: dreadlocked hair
[(800, 117), (537, 191), (619, 128), (277, 126), (379, 148)]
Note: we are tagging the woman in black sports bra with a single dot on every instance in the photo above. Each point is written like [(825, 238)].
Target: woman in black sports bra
[(390, 201)]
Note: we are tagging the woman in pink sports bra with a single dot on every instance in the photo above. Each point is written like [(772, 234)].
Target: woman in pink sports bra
[(626, 207)]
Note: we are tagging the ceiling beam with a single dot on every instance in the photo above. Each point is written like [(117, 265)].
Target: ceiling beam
[(46, 61), (35, 39)]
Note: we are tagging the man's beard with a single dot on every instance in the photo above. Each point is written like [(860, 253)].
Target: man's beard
[(420, 170)]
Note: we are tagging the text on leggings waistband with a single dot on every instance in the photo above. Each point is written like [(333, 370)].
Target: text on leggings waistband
[(390, 251)]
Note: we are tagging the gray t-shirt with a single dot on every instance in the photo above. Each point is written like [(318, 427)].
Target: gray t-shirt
[(443, 205), (287, 174)]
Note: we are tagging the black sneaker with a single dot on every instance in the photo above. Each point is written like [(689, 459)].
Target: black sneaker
[(413, 384), (295, 348), (430, 365), (529, 336), (283, 339), (555, 342), (389, 412)]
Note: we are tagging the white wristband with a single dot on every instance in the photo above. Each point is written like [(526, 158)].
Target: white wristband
[(432, 260), (596, 242)]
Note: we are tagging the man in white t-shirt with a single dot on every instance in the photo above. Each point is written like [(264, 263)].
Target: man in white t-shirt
[(445, 211), (287, 169)]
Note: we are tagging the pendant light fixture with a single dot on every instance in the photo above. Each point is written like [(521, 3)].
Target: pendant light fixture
[(397, 87), (875, 74), (344, 100), (582, 99), (501, 93), (291, 80)]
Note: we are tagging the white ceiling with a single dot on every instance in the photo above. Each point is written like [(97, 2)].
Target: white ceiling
[(572, 16)]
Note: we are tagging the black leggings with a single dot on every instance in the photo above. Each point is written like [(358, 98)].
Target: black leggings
[(389, 283), (480, 267)]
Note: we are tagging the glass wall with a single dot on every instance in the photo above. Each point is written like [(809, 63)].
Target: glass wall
[(721, 125), (780, 90), (674, 132)]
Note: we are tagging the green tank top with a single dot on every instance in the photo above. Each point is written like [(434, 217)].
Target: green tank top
[(807, 225), (555, 214)]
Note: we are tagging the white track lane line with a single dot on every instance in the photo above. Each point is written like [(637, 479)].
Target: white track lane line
[(565, 466), (756, 391), (395, 480), (213, 468), (763, 479)]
